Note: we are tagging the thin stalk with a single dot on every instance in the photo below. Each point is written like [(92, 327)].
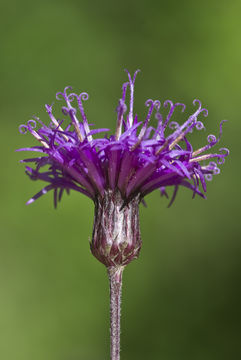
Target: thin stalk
[(115, 280)]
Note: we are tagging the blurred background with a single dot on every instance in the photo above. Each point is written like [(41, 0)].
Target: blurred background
[(181, 299)]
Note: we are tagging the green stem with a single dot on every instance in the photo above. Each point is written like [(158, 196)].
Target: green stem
[(115, 280)]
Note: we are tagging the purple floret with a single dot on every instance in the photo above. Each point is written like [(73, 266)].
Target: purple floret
[(136, 160)]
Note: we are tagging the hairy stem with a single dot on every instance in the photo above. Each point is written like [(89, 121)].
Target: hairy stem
[(115, 279)]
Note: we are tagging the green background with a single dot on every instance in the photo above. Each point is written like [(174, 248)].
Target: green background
[(181, 299)]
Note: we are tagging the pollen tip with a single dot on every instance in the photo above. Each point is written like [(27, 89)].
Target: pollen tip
[(30, 201)]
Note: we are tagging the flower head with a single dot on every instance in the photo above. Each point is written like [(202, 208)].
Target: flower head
[(125, 166)]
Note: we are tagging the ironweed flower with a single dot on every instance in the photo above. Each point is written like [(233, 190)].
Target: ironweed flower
[(119, 170)]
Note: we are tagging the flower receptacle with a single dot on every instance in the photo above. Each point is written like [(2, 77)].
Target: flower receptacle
[(116, 239)]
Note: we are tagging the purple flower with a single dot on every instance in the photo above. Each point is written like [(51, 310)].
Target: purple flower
[(121, 168)]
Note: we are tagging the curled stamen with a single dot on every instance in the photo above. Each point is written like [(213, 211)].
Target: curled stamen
[(199, 125), (188, 125), (84, 96), (208, 177), (223, 154), (152, 104), (212, 140), (23, 129), (214, 168), (199, 103), (71, 111), (32, 124), (59, 96), (63, 95), (168, 102), (172, 108), (71, 97), (65, 110), (199, 110), (149, 103), (174, 125), (157, 105), (225, 151)]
